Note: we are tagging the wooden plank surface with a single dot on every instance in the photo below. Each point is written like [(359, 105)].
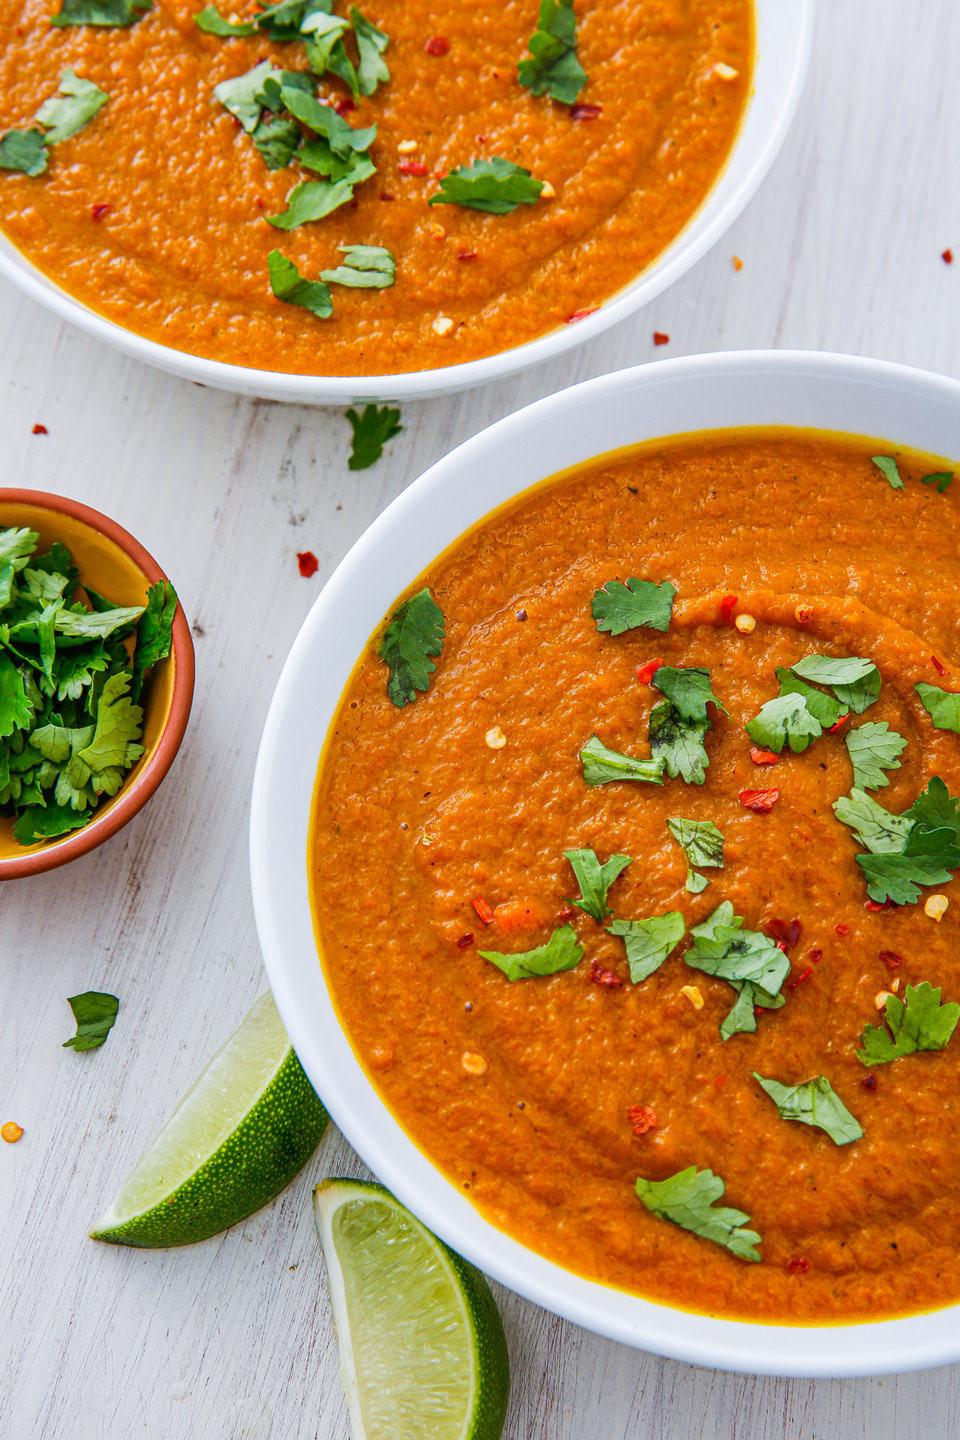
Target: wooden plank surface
[(841, 250)]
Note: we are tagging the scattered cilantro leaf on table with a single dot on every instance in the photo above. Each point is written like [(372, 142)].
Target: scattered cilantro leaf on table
[(751, 962), (873, 748), (880, 831), (554, 69), (815, 1102), (371, 431), (211, 21), (595, 880), (688, 1199), (618, 607), (702, 844), (943, 706), (371, 43), (824, 709), (367, 267), (118, 13), (785, 719), (600, 765), (95, 1013), (289, 285), (942, 477), (888, 467), (415, 632), (561, 952), (919, 1022), (688, 688), (678, 743), (649, 942), (23, 150), (496, 186), (76, 101)]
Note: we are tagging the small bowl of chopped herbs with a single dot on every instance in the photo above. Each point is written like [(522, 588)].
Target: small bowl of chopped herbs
[(96, 679)]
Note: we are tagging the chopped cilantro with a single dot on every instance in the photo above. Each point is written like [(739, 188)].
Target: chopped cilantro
[(935, 809), (888, 466), (784, 719), (752, 963), (317, 155), (213, 23), (118, 13), (95, 1013), (896, 877), (824, 709), (45, 822), (289, 285), (371, 431), (881, 832), (702, 844), (554, 69), (920, 847), (942, 477), (618, 607), (873, 748), (415, 631), (921, 1023), (649, 942), (276, 138), (368, 267), (943, 706), (23, 150), (678, 743), (496, 186), (326, 50), (312, 200), (285, 21), (66, 112), (595, 880), (688, 688), (815, 1102), (154, 632), (601, 765), (854, 680), (561, 952), (688, 1199), (371, 43), (241, 95), (324, 120)]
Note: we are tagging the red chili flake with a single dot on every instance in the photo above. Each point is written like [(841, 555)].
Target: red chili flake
[(947, 256), (642, 1118), (842, 929), (737, 263), (464, 941), (385, 196), (437, 45), (98, 211), (720, 1081), (800, 978), (413, 167), (567, 913), (645, 673), (466, 254), (441, 174), (759, 801), (832, 729), (877, 905), (940, 669), (763, 757), (815, 955), (803, 614), (40, 430), (891, 959), (798, 1266), (788, 934), (869, 1082), (481, 139), (484, 912), (600, 976), (727, 606), (585, 112), (308, 562), (660, 339), (581, 314)]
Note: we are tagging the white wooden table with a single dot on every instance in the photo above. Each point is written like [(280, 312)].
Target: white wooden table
[(232, 1338)]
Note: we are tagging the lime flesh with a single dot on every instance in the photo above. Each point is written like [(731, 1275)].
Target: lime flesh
[(422, 1349), (245, 1127)]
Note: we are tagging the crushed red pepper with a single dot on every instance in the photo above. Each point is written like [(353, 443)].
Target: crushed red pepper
[(947, 256), (800, 978), (581, 314), (891, 959), (761, 802), (40, 430), (583, 111), (98, 211), (815, 955), (659, 338), (763, 757), (869, 1082), (842, 929), (413, 167), (642, 1118), (484, 911), (464, 941), (783, 933), (940, 669), (832, 729), (437, 45), (727, 606), (600, 976), (645, 673), (798, 1266), (308, 562)]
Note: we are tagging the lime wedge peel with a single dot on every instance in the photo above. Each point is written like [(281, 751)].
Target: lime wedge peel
[(248, 1123), (422, 1348)]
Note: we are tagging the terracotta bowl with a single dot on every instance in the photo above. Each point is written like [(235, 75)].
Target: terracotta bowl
[(117, 566)]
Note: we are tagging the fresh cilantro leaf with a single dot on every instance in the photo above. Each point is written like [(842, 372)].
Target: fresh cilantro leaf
[(921, 1023), (936, 809), (118, 726), (701, 843), (784, 719), (15, 710), (213, 23), (271, 92), (688, 687), (815, 1102), (874, 747), (46, 822), (696, 884), (561, 952), (57, 743), (601, 765), (854, 680), (882, 832), (678, 743), (649, 942), (276, 138), (368, 267), (895, 877), (325, 121), (154, 632), (75, 102), (241, 94), (752, 963), (860, 694), (595, 880), (90, 625), (326, 51), (371, 431), (824, 709), (119, 13), (942, 477), (554, 69), (285, 22), (317, 155), (23, 150), (95, 1013), (496, 186), (311, 200), (289, 285), (371, 43), (688, 1199), (943, 706), (415, 631), (618, 607), (888, 466)]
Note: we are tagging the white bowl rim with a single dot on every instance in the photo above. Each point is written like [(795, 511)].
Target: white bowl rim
[(810, 382), (778, 81)]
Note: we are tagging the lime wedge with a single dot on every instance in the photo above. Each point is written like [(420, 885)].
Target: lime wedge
[(245, 1127), (422, 1350)]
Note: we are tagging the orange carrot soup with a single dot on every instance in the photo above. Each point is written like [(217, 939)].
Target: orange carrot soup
[(323, 191), (633, 855)]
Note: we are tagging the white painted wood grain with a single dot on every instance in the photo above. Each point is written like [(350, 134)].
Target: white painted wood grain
[(231, 1338)]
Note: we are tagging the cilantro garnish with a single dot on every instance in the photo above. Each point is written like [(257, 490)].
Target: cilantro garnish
[(927, 859), (920, 847), (649, 942), (942, 477), (943, 706), (688, 688), (211, 21), (66, 112), (752, 963), (241, 94), (815, 1102), (854, 680), (326, 50), (154, 632), (618, 607), (873, 748), (311, 200), (276, 139), (888, 466), (23, 150), (554, 69), (371, 431), (95, 1013), (561, 952), (324, 120), (702, 844), (935, 809), (785, 719), (289, 285), (595, 880), (688, 1199), (371, 43), (600, 765), (496, 186), (921, 1023), (285, 21), (118, 13), (824, 709), (678, 743), (880, 831), (368, 267), (415, 631)]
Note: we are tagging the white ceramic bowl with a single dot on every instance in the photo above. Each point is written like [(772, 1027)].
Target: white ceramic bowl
[(783, 35), (886, 402)]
